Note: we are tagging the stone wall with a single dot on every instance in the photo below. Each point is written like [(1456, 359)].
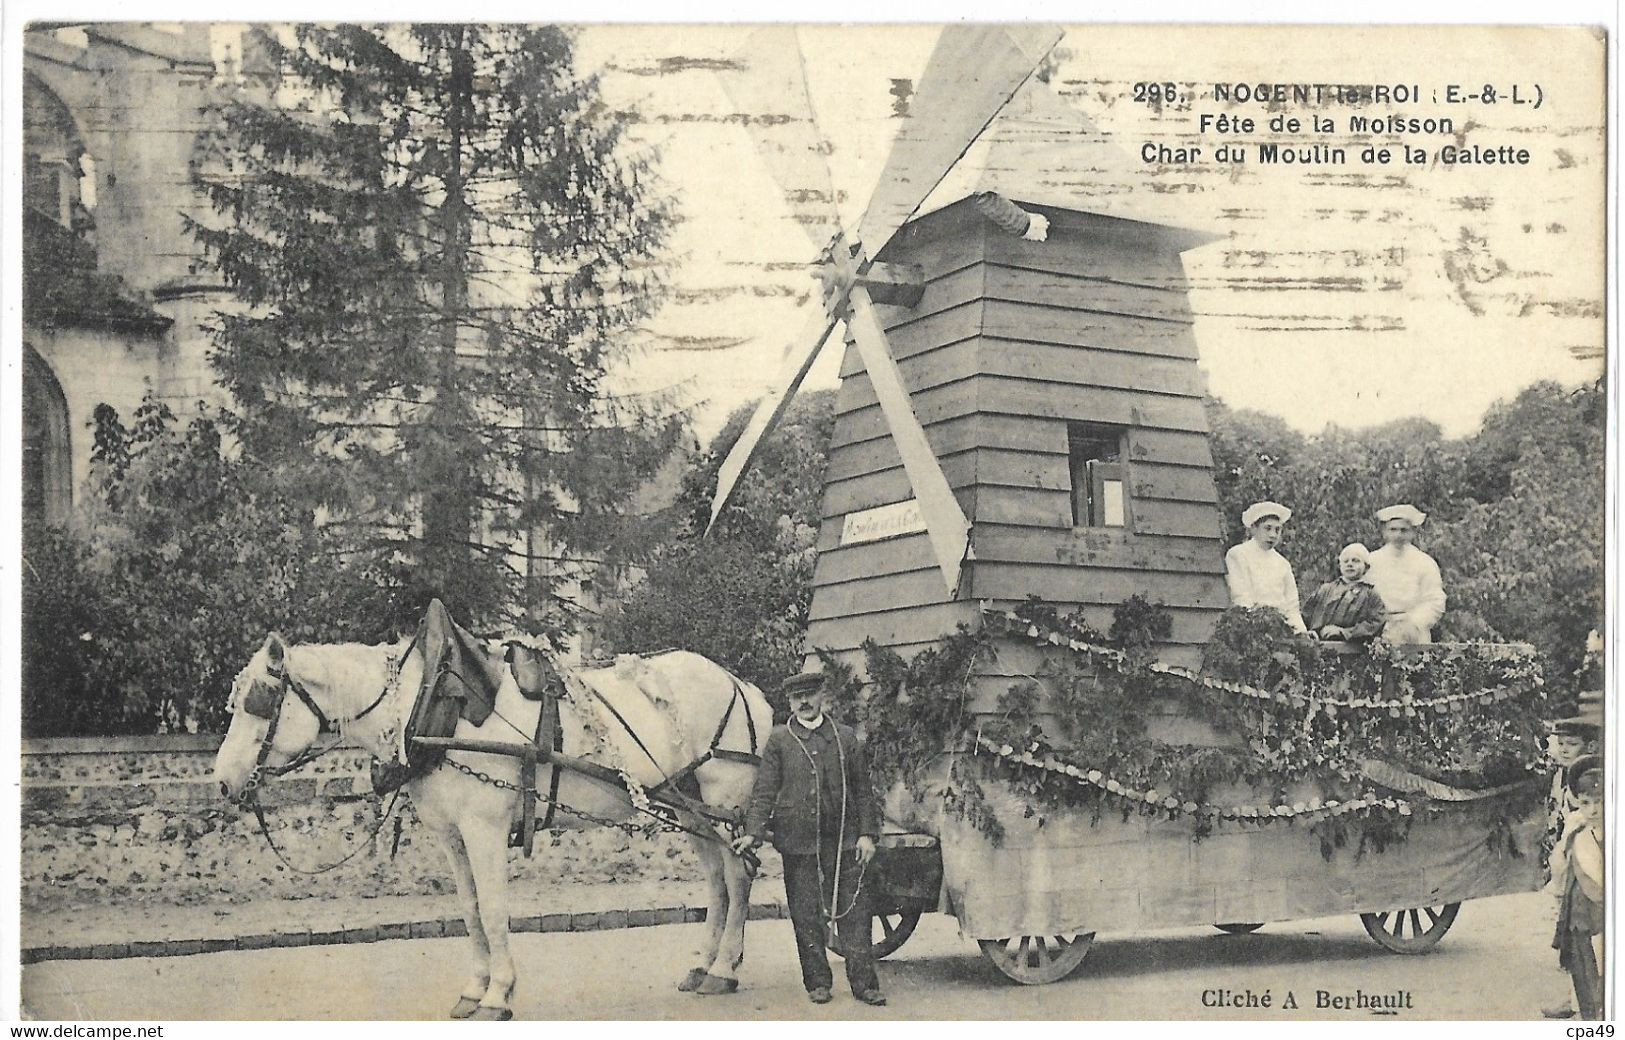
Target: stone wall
[(139, 820)]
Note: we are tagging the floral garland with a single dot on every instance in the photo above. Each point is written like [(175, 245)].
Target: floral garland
[(1299, 726), (1312, 809), (1397, 707)]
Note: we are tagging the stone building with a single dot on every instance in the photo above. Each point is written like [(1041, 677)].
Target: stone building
[(113, 303), (116, 297)]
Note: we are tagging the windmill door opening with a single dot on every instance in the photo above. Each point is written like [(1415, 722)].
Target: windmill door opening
[(1096, 455)]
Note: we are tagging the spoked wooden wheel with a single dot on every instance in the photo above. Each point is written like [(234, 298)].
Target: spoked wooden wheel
[(891, 931), (1239, 929), (1034, 960), (1410, 931)]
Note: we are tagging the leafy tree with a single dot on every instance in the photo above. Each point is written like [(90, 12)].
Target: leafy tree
[(1515, 510), (137, 614), (740, 595), (1528, 560), (442, 238), (1249, 448), (785, 479)]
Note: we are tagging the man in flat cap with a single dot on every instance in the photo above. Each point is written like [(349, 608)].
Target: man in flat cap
[(1259, 576), (1406, 578), (813, 793)]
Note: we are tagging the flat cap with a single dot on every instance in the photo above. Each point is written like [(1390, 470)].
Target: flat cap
[(1578, 726), (802, 683)]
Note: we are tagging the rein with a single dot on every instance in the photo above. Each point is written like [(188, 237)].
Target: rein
[(265, 829), (251, 797)]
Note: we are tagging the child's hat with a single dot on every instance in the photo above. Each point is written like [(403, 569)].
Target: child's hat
[(1582, 767), (1259, 510)]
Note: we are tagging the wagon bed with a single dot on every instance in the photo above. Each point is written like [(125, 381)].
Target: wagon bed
[(1035, 900)]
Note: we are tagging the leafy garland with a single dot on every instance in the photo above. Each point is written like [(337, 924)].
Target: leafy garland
[(1432, 718)]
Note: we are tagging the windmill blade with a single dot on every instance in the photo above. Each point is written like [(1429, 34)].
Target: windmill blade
[(945, 522), (767, 77), (803, 351), (971, 75)]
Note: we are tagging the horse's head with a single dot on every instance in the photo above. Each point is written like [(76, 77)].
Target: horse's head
[(272, 721)]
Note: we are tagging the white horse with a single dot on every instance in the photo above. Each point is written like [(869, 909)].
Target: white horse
[(368, 692)]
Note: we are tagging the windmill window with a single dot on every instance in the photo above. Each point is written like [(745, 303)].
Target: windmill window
[(1099, 498)]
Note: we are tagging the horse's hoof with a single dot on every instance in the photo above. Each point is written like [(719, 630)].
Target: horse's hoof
[(483, 1013), (714, 985), (464, 1007), (691, 981)]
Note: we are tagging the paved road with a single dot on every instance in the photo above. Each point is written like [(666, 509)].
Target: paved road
[(1494, 964)]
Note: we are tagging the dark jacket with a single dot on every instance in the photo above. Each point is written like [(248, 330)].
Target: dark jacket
[(1353, 605), (785, 799)]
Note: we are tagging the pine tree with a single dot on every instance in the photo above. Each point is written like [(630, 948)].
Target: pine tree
[(442, 237)]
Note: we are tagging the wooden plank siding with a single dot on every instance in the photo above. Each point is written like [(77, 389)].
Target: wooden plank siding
[(839, 563), (1011, 342), (1037, 362), (990, 468), (1017, 435), (1110, 547), (1036, 507), (1033, 320), (1054, 583), (990, 579), (1023, 397), (1075, 555), (891, 627)]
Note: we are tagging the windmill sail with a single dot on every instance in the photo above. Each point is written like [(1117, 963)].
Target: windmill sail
[(767, 83), (771, 409), (972, 73), (945, 521)]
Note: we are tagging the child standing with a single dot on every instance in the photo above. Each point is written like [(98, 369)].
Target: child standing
[(1577, 866)]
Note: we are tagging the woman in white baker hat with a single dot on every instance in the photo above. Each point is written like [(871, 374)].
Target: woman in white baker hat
[(1406, 578), (1259, 576)]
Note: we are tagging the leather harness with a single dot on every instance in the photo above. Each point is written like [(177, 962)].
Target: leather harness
[(549, 737)]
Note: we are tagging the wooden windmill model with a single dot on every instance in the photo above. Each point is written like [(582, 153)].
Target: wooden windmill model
[(1016, 417)]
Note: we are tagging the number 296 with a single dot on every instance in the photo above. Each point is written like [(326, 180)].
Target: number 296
[(1156, 94)]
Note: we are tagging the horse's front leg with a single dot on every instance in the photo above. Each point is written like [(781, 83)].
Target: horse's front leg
[(479, 980), (731, 951), (485, 835), (725, 918), (716, 917)]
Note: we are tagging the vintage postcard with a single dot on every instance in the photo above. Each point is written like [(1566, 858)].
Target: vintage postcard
[(822, 522)]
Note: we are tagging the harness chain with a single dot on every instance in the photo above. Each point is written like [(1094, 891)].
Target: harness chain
[(635, 793), (666, 824)]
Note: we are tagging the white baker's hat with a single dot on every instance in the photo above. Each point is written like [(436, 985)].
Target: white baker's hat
[(1408, 513), (1259, 510), (1356, 550)]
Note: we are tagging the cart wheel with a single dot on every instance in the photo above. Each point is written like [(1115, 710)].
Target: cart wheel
[(1034, 960), (1426, 925), (891, 932), (1239, 929)]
